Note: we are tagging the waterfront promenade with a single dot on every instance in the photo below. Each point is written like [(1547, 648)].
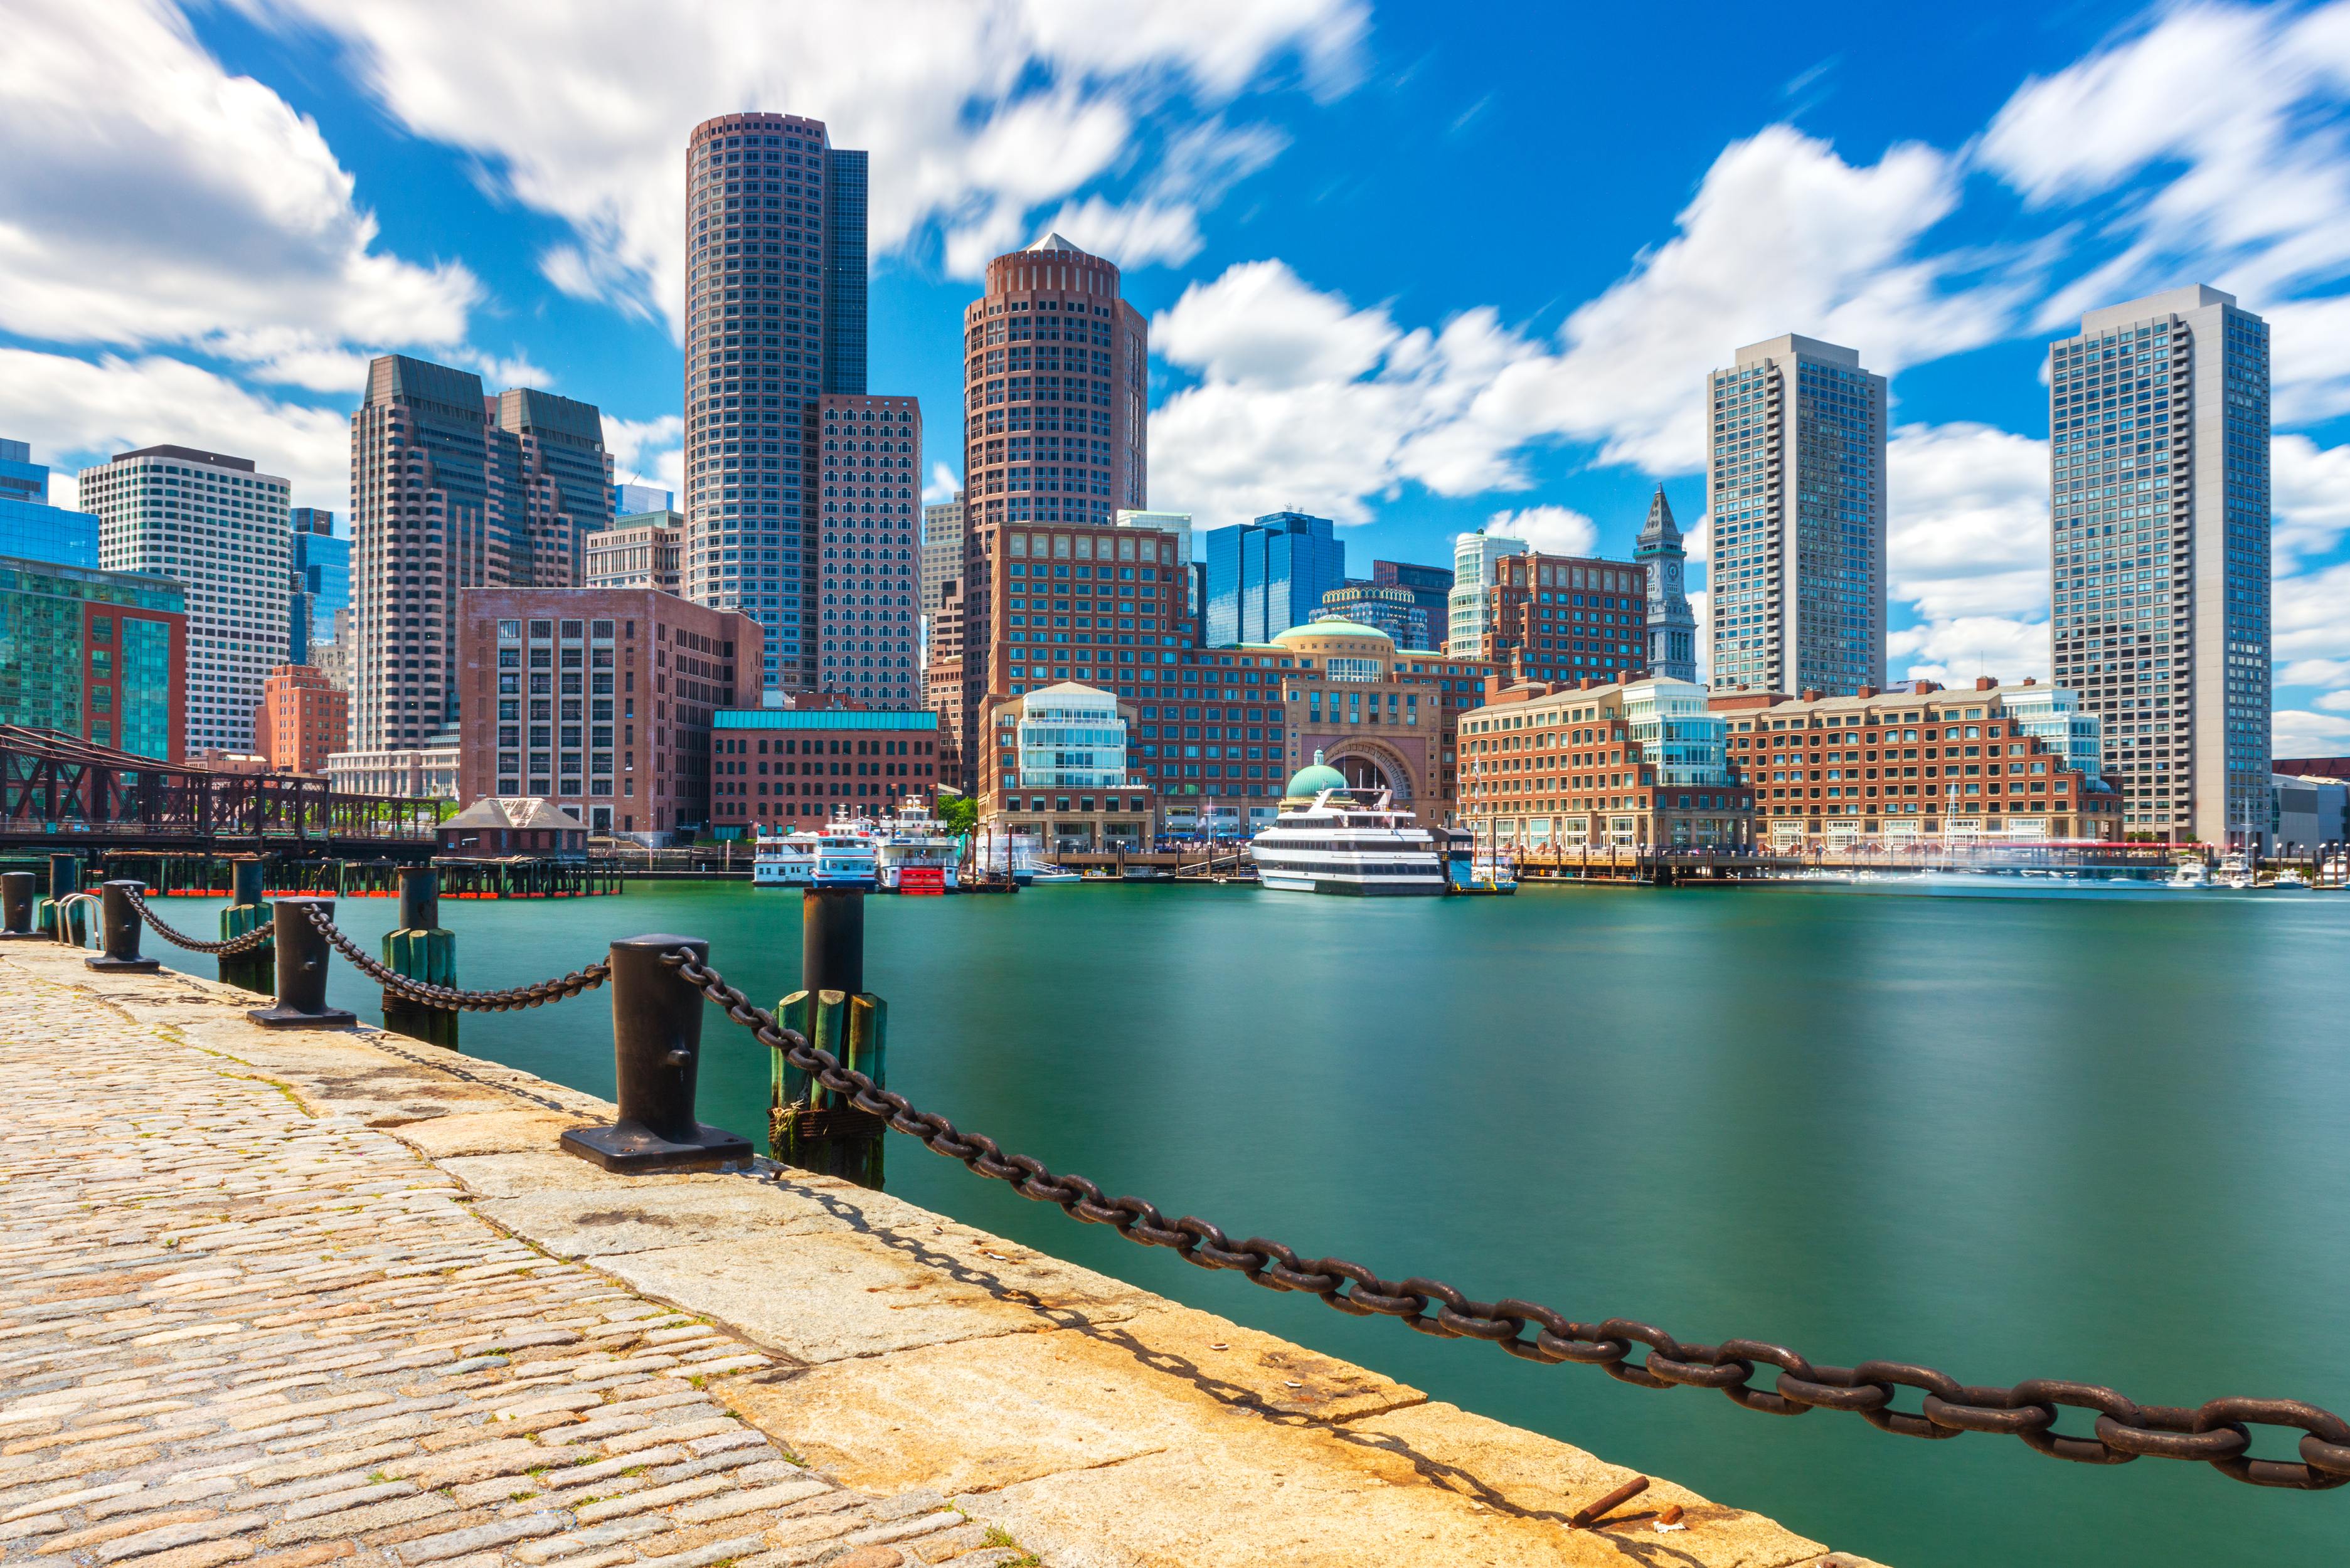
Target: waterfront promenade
[(286, 1299)]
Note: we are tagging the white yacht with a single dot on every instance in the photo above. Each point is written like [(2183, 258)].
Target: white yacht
[(2189, 873), (786, 859), (1330, 839), (846, 854)]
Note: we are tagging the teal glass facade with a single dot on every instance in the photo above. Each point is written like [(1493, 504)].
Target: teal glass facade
[(96, 655)]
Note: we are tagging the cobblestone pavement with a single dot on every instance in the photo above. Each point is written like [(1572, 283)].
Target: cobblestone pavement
[(232, 1331)]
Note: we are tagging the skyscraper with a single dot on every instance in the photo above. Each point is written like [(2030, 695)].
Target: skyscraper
[(1265, 577), (867, 623), (1467, 608), (452, 489), (29, 525), (1056, 393), (1672, 626), (321, 582), (2159, 488), (774, 317), (941, 556), (1430, 587), (1797, 492), (223, 530)]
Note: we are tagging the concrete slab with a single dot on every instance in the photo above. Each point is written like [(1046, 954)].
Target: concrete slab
[(502, 1131), (606, 1221)]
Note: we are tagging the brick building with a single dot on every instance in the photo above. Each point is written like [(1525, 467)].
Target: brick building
[(1925, 764), (792, 767), (1566, 618), (599, 698), (301, 719)]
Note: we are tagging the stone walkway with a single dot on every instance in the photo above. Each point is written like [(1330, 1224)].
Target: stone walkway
[(233, 1331), (289, 1298)]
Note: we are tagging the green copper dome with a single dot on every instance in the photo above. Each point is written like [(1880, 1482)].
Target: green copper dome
[(1314, 778)]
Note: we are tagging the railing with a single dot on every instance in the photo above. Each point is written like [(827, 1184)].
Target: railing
[(659, 983)]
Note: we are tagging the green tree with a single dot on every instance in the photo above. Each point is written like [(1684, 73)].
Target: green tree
[(959, 813)]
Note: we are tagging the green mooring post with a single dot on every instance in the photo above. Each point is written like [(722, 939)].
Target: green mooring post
[(809, 1126), (255, 969), (422, 950)]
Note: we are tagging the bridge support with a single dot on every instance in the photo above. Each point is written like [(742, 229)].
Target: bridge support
[(256, 969), (422, 950), (656, 1057), (809, 1126)]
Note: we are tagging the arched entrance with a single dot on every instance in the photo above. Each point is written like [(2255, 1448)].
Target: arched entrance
[(1370, 765), (1362, 772)]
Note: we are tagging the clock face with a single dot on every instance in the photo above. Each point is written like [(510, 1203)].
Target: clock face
[(1672, 574)]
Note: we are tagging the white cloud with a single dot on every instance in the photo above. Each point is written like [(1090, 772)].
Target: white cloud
[(154, 199), (2317, 672), (2337, 700), (70, 409), (2298, 732), (978, 113), (1968, 519), (944, 483), (2306, 615), (2311, 499), (1548, 530), (1955, 652), (647, 450)]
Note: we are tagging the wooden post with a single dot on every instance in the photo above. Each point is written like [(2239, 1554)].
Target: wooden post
[(257, 968), (809, 1126), (422, 950)]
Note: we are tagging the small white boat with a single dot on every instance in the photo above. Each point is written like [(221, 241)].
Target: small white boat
[(2289, 878), (2189, 874), (784, 859), (1044, 874)]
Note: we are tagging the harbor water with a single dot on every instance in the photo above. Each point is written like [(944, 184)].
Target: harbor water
[(2007, 1130)]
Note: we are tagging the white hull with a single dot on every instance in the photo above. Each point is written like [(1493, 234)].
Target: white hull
[(1345, 884), (1339, 847)]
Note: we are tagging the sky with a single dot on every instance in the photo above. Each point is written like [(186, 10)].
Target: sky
[(1419, 269)]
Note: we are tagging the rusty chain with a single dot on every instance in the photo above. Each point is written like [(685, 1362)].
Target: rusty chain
[(257, 937), (441, 996), (2215, 1433)]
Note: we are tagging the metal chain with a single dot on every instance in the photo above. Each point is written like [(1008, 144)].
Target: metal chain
[(2216, 1433), (441, 996), (257, 937)]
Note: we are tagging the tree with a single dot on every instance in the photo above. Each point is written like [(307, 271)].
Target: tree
[(959, 813)]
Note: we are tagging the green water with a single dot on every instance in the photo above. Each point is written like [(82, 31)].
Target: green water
[(2088, 1135)]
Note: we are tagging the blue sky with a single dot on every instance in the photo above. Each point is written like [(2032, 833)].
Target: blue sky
[(1414, 268)]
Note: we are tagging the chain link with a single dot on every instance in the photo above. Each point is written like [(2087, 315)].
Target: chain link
[(2216, 1434), (446, 997), (257, 937)]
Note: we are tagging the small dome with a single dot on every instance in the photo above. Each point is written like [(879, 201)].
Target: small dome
[(1313, 779), (1331, 628)]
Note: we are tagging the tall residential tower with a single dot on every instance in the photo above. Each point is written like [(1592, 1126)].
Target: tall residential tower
[(1796, 487), (1467, 608), (774, 318), (2158, 414)]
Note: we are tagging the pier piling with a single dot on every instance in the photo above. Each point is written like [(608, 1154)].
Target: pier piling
[(656, 1059), (16, 907), (53, 914), (808, 1125), (255, 970), (422, 950)]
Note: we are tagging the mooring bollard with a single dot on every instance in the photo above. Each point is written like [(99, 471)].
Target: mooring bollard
[(121, 953), (809, 1126), (257, 968), (656, 1054), (16, 907), (422, 950), (302, 953), (51, 914)]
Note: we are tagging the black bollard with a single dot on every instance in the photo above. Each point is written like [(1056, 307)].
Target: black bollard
[(656, 1052), (16, 907), (121, 953), (832, 940), (255, 969), (422, 950), (302, 954), (809, 1126), (64, 881)]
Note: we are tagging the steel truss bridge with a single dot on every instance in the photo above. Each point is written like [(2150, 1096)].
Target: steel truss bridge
[(57, 791)]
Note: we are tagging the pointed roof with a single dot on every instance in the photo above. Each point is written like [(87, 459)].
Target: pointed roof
[(1055, 241), (1661, 517)]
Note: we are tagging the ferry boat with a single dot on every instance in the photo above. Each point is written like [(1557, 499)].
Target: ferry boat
[(786, 859), (1339, 842), (915, 853), (845, 855)]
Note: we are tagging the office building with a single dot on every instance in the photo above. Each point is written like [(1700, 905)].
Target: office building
[(2158, 487), (1063, 784), (1475, 556), (943, 681), (333, 656), (635, 552), (301, 719), (1552, 619), (1796, 485), (224, 532), (452, 489), (635, 500), (2309, 813), (1095, 606), (941, 552), (1265, 577), (428, 772), (793, 767), (600, 699), (321, 582), (1918, 762), (32, 529), (1671, 650), (1430, 586), (1396, 611), (865, 631), (775, 305), (99, 655), (1604, 765)]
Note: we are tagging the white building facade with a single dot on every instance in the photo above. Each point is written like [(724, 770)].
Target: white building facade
[(1468, 608)]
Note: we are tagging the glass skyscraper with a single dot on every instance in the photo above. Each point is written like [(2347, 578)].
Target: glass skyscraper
[(1265, 577), (29, 525)]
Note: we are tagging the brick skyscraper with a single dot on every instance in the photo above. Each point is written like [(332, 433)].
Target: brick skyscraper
[(1057, 399), (774, 314)]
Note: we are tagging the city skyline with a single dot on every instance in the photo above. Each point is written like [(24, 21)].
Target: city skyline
[(1437, 412)]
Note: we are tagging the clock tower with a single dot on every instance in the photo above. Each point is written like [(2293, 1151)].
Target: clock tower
[(1672, 626)]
